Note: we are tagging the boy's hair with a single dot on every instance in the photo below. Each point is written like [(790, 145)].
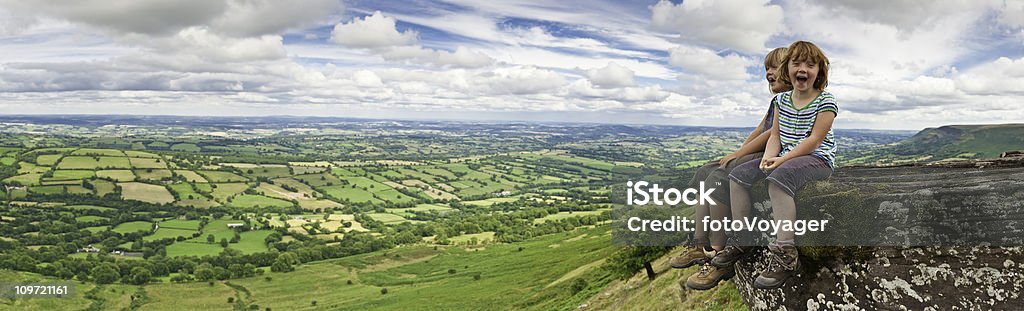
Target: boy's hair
[(774, 58), (803, 50)]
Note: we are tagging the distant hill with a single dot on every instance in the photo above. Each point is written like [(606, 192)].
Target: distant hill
[(971, 141), (948, 142)]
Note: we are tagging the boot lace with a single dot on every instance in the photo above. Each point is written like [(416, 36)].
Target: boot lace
[(778, 262), (705, 269)]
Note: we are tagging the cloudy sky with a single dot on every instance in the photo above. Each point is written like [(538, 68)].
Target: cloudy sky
[(896, 64)]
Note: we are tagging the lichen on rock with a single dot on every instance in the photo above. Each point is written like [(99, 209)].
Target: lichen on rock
[(944, 238)]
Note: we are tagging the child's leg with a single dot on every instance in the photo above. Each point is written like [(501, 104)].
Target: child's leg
[(783, 208), (740, 197), (740, 181), (694, 253), (785, 181), (700, 211), (718, 212)]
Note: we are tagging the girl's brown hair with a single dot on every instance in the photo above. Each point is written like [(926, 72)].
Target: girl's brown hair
[(806, 51), (774, 58)]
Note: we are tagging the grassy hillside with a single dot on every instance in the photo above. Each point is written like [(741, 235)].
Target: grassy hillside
[(949, 142), (665, 292), (538, 274)]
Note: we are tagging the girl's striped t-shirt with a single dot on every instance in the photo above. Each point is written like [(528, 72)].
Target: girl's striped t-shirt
[(795, 124)]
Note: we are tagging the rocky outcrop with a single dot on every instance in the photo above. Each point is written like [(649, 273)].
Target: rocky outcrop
[(930, 237)]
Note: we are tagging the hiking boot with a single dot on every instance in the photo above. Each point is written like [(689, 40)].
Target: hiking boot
[(690, 256), (784, 262), (729, 255), (708, 276)]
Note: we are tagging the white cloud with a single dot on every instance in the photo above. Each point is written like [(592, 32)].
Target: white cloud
[(262, 17), (366, 78), (373, 31), (150, 17), (1002, 76), (707, 63), (201, 43), (884, 49), (462, 57), (583, 88), (1012, 13), (611, 76), (377, 32), (955, 63), (896, 13), (521, 80), (742, 25)]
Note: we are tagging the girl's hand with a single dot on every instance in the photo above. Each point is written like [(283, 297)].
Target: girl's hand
[(771, 163), (726, 159)]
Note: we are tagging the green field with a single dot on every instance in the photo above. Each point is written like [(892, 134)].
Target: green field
[(191, 176), (89, 218), (388, 219), (168, 233), (271, 171), (24, 179), (219, 176), (71, 174), (46, 189), (140, 154), (185, 191), (147, 163), (145, 192), (219, 229), (319, 180), (102, 187), (252, 200), (180, 224), (251, 242), (47, 159), (90, 163), (99, 152), (221, 192), (97, 228), (133, 227), (116, 175), (152, 174), (424, 207), (491, 201)]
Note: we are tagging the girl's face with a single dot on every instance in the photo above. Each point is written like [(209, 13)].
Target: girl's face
[(802, 72), (775, 84)]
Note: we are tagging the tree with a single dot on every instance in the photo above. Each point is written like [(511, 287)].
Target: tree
[(578, 285), (140, 275), (281, 265), (209, 238), (204, 272), (631, 259), (105, 273)]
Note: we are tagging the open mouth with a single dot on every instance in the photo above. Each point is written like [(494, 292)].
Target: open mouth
[(801, 78)]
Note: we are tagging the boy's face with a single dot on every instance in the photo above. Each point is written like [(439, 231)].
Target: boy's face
[(775, 84), (802, 72)]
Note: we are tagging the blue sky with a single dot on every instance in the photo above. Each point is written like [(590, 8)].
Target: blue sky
[(658, 62)]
